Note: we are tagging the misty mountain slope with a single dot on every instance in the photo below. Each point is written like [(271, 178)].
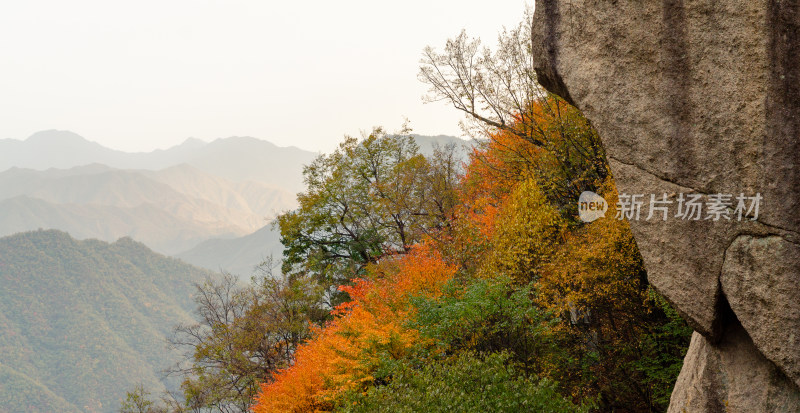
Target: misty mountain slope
[(126, 189), (171, 210), (173, 200), (236, 158), (55, 149), (251, 197), (238, 255), (21, 392), (251, 159), (19, 181), (84, 321), (147, 223)]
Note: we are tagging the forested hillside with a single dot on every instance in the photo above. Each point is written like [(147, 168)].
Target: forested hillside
[(474, 292), (82, 321), (416, 273), (413, 281)]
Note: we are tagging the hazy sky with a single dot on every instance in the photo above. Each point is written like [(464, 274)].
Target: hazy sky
[(145, 74)]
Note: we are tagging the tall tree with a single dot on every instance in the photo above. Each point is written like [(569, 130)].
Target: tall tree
[(244, 335), (499, 92), (369, 198)]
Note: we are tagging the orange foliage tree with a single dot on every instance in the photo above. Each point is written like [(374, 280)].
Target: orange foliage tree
[(342, 355)]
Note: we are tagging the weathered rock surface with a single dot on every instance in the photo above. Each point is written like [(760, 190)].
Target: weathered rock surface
[(760, 279), (698, 96), (731, 376)]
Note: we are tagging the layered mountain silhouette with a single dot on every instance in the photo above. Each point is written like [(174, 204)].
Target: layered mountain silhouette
[(85, 304), (239, 256), (208, 203), (235, 158), (170, 210)]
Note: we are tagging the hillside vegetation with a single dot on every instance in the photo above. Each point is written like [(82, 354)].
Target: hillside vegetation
[(81, 321), (432, 285)]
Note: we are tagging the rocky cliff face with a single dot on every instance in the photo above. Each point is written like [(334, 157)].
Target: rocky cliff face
[(701, 97)]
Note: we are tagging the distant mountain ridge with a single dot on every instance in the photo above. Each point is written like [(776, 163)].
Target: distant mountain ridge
[(145, 223), (428, 144), (234, 158), (170, 210), (82, 322), (238, 256)]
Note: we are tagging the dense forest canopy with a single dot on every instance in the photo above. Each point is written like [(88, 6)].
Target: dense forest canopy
[(80, 321)]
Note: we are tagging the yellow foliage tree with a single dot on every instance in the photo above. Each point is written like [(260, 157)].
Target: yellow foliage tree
[(527, 233)]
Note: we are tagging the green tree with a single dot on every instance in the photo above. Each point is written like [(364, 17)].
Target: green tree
[(487, 315), (369, 198), (138, 401), (468, 382)]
